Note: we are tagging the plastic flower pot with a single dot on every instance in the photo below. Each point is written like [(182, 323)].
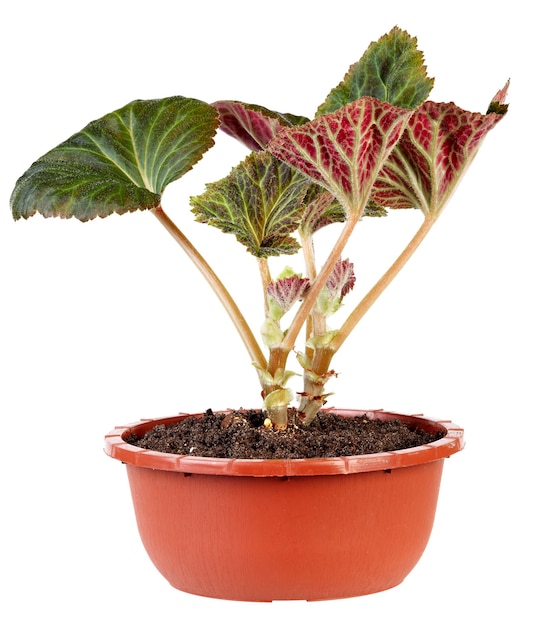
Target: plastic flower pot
[(263, 530)]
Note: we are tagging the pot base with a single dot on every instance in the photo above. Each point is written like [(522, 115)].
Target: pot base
[(316, 529), (295, 538)]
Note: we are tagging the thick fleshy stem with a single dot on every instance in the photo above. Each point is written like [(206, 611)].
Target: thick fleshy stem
[(312, 295), (313, 397), (279, 354)]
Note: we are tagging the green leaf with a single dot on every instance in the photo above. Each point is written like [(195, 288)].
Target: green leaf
[(323, 340), (438, 145), (373, 209), (344, 151), (304, 361), (280, 378), (322, 209), (271, 333), (278, 398), (119, 163), (251, 124), (392, 69), (260, 202)]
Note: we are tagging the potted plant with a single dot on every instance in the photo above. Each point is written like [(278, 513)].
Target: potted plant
[(283, 500)]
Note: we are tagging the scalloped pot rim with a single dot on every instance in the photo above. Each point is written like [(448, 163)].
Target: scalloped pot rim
[(451, 442)]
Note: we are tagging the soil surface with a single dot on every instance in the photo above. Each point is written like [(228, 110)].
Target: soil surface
[(242, 434)]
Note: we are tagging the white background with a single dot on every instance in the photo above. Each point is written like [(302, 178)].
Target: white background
[(104, 324)]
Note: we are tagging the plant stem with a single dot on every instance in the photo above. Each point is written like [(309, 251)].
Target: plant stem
[(310, 265), (309, 256), (317, 285), (312, 400), (215, 283), (266, 279), (374, 293), (279, 354)]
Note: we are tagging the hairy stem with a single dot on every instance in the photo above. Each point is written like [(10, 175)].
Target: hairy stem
[(313, 397), (279, 354), (310, 266), (309, 256), (266, 279), (317, 285), (215, 283)]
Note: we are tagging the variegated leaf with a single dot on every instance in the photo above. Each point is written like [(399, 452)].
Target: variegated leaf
[(121, 162), (344, 151), (342, 280), (260, 202), (251, 124), (438, 145), (285, 292), (322, 209)]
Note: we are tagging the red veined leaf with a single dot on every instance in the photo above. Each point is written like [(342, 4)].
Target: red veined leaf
[(260, 202), (342, 280), (321, 210), (345, 150), (438, 145), (287, 291), (251, 124)]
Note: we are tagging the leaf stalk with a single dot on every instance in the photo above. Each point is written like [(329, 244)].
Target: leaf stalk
[(318, 284), (365, 304), (215, 283)]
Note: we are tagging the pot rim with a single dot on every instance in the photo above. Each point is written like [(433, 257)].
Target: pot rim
[(451, 442)]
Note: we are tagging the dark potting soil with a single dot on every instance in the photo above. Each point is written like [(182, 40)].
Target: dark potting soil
[(242, 434)]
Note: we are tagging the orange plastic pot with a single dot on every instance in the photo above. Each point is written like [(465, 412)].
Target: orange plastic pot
[(263, 530)]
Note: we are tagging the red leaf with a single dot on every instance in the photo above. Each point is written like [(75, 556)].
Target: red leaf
[(252, 125), (344, 150), (287, 291), (342, 280), (438, 145)]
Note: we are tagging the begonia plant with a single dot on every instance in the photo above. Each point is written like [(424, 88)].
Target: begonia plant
[(375, 144)]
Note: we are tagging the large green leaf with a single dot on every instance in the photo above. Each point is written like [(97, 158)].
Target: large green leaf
[(260, 202), (392, 69), (119, 163)]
